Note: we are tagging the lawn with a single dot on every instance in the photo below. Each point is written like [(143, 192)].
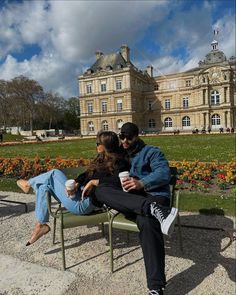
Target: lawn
[(201, 147), (204, 147)]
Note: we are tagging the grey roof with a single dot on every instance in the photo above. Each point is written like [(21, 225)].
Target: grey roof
[(113, 60)]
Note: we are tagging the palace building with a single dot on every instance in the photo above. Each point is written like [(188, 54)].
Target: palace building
[(113, 91)]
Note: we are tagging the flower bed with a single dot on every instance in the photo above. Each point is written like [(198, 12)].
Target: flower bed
[(193, 176), (204, 176), (25, 168)]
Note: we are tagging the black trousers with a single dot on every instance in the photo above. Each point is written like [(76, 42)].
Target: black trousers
[(151, 238)]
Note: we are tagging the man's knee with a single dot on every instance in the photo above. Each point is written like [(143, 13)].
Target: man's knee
[(147, 223)]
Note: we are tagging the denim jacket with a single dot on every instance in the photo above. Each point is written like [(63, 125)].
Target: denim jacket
[(149, 165)]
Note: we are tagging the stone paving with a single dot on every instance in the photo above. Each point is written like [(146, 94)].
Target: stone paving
[(207, 265)]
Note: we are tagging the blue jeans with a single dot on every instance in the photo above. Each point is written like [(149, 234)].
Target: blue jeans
[(54, 182)]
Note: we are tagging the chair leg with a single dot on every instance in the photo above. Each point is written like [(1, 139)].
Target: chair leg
[(180, 233), (111, 246), (103, 229), (62, 244), (54, 230)]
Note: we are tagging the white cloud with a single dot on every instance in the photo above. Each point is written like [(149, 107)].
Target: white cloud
[(69, 32)]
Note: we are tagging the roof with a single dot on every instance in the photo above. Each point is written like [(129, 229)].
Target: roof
[(113, 60)]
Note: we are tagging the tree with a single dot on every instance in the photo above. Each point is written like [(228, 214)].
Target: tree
[(72, 113), (26, 93)]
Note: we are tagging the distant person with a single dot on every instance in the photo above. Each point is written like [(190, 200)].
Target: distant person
[(1, 137), (209, 130), (232, 130), (104, 168), (221, 130), (228, 129)]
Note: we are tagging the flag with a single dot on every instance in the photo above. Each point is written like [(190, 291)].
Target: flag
[(216, 31)]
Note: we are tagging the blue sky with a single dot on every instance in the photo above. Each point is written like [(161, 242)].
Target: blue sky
[(55, 41)]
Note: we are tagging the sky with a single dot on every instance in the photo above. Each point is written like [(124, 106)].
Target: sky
[(54, 41)]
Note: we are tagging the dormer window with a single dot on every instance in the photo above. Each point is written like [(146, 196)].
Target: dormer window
[(89, 71), (119, 66), (109, 67)]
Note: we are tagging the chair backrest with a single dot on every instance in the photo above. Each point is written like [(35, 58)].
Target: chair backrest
[(73, 172)]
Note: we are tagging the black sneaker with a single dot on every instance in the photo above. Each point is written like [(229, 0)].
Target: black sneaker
[(166, 216), (156, 292)]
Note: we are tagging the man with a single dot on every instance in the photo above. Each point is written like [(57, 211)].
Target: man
[(147, 198)]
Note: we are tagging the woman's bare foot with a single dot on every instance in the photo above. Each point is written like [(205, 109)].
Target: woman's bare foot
[(39, 231), (24, 185)]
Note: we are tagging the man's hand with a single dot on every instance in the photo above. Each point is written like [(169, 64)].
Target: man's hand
[(88, 187), (132, 183)]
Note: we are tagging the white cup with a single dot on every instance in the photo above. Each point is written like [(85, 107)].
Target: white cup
[(123, 175), (70, 185)]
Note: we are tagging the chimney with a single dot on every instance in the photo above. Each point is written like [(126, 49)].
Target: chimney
[(98, 54), (150, 70), (124, 50)]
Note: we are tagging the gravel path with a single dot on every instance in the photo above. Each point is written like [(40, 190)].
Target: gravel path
[(206, 267)]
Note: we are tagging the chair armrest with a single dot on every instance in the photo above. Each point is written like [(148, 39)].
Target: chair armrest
[(54, 214), (177, 198)]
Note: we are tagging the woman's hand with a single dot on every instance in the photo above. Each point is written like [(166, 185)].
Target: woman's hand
[(88, 187)]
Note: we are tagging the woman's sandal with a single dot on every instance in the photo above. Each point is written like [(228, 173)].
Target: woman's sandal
[(24, 185), (38, 232)]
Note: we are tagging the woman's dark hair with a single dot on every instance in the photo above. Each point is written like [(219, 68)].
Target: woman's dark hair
[(107, 160)]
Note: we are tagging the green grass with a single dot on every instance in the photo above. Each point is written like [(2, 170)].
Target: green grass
[(201, 147), (204, 147), (210, 203), (11, 137)]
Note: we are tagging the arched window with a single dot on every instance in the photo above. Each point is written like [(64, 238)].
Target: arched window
[(151, 123), (186, 121), (215, 120), (104, 125), (215, 97), (119, 124), (90, 126), (168, 122)]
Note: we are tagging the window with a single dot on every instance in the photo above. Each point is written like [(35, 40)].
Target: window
[(150, 103), (168, 122), (104, 106), (186, 121), (215, 97), (90, 107), (119, 124), (119, 105), (156, 87), (118, 84), (188, 83), (185, 102), (90, 126), (215, 120), (151, 123), (167, 104), (105, 125), (89, 88), (103, 86)]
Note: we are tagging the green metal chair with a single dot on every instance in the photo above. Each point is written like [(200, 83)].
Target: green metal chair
[(69, 220), (117, 220)]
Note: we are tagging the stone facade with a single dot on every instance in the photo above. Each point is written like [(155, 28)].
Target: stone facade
[(113, 91)]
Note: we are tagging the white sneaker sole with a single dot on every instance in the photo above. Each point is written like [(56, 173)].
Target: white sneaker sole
[(168, 225)]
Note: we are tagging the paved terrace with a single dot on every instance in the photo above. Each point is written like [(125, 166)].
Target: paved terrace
[(204, 267)]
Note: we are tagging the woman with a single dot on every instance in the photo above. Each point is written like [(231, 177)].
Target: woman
[(103, 169)]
